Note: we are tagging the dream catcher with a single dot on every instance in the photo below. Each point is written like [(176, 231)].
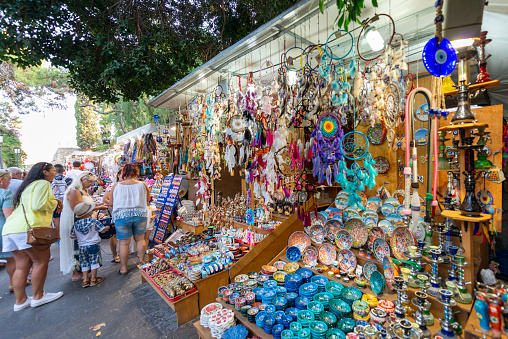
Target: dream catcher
[(291, 57), (339, 45), (313, 54), (375, 36), (325, 141)]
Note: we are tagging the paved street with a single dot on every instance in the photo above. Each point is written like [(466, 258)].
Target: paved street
[(129, 309)]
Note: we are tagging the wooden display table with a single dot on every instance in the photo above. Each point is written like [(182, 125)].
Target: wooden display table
[(189, 228), (186, 308), (251, 327)]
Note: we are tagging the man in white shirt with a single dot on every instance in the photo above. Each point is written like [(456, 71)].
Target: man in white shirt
[(17, 174), (73, 173)]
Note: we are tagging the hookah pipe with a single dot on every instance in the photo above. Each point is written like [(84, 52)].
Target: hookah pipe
[(411, 144)]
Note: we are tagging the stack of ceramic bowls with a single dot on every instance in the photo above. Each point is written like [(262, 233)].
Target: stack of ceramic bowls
[(270, 309), (279, 277), (260, 318), (251, 314), (340, 308), (291, 296), (267, 296), (278, 316), (318, 329), (295, 327), (293, 312), (309, 290), (281, 291), (306, 274), (335, 333), (334, 288), (277, 330), (316, 307), (324, 298), (269, 323), (304, 317), (304, 334), (280, 303), (302, 302), (286, 320), (346, 325), (259, 291), (261, 279), (207, 312), (320, 281), (350, 294), (250, 297), (292, 282), (286, 334), (220, 322), (328, 318), (269, 284)]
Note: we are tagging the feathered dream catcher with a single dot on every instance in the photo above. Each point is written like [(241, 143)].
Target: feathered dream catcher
[(325, 141), (204, 190)]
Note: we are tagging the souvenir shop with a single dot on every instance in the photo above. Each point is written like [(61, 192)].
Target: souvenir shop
[(342, 184)]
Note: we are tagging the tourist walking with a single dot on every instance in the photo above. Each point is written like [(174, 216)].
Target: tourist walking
[(59, 186), (130, 199), (69, 251), (6, 207), (17, 178), (75, 171), (34, 204)]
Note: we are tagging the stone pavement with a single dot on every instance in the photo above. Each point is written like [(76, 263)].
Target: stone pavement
[(128, 308)]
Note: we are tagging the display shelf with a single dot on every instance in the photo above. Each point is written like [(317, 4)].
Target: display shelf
[(471, 125), (252, 327), (189, 228), (259, 230), (472, 328), (203, 332), (476, 87), (186, 308), (456, 215)]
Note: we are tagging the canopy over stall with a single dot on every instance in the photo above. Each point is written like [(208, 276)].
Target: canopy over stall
[(139, 132)]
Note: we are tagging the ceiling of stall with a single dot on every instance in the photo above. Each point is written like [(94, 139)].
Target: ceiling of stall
[(300, 27)]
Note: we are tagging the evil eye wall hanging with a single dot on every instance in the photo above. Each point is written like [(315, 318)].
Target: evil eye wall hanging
[(381, 164), (376, 134)]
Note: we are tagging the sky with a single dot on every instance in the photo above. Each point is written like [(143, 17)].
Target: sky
[(43, 133)]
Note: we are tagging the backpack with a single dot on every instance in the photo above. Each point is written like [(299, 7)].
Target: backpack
[(59, 186)]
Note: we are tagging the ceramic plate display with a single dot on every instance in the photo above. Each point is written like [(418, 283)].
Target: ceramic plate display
[(343, 240), (374, 203), (394, 218), (332, 226), (376, 134), (332, 211), (317, 234), (387, 209), (347, 260), (317, 221), (400, 209), (401, 239), (279, 265), (327, 254), (393, 201), (363, 199), (370, 222), (377, 282), (388, 271), (370, 214), (338, 217), (399, 224), (310, 255), (317, 216), (349, 212), (300, 240), (385, 225), (359, 232), (341, 201), (368, 268), (324, 216), (380, 248), (293, 254), (375, 232), (381, 164)]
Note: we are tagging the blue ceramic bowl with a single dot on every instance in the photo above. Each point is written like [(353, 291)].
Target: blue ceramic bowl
[(347, 325), (293, 254), (302, 302), (286, 334), (269, 284), (335, 333)]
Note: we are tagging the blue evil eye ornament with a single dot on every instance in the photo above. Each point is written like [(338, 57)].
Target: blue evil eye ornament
[(439, 58), (249, 216)]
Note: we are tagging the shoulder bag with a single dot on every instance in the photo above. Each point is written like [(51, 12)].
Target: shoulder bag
[(41, 238)]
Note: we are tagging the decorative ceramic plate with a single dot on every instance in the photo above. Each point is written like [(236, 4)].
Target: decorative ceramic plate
[(363, 198), (394, 218), (293, 254), (300, 240), (387, 209), (327, 254), (377, 282), (338, 217), (341, 201), (375, 232), (347, 260), (375, 134), (381, 164), (401, 239), (393, 201), (370, 222), (370, 214), (310, 255), (385, 225), (279, 265), (332, 211), (349, 212), (368, 268), (324, 216), (317, 216), (343, 240), (399, 224), (359, 232), (317, 234), (399, 210), (332, 227), (374, 203), (380, 248), (388, 271)]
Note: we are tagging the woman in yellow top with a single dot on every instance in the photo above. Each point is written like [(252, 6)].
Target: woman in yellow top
[(36, 197)]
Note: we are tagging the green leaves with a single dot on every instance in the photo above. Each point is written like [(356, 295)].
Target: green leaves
[(349, 11), (322, 6)]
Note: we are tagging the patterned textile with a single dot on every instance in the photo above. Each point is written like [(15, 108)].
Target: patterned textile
[(90, 257)]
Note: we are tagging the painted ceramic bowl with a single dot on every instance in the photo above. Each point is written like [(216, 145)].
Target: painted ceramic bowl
[(378, 316), (386, 305), (340, 308), (361, 282), (347, 325), (361, 308), (335, 333), (343, 240), (350, 294), (293, 254), (334, 288), (359, 232), (370, 299), (377, 282)]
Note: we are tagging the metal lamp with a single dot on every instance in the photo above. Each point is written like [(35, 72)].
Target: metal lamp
[(17, 150)]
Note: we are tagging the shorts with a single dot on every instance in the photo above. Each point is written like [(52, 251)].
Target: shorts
[(127, 227), (90, 257), (14, 242)]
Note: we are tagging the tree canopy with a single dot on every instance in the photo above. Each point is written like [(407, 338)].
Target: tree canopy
[(119, 49)]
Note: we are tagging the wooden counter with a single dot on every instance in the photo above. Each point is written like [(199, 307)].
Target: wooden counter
[(189, 228)]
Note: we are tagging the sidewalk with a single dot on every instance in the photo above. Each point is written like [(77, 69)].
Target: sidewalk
[(129, 309)]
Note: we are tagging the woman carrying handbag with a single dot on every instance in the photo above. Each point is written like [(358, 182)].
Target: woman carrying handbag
[(28, 236)]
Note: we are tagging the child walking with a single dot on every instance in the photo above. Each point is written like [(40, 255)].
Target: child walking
[(86, 230)]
